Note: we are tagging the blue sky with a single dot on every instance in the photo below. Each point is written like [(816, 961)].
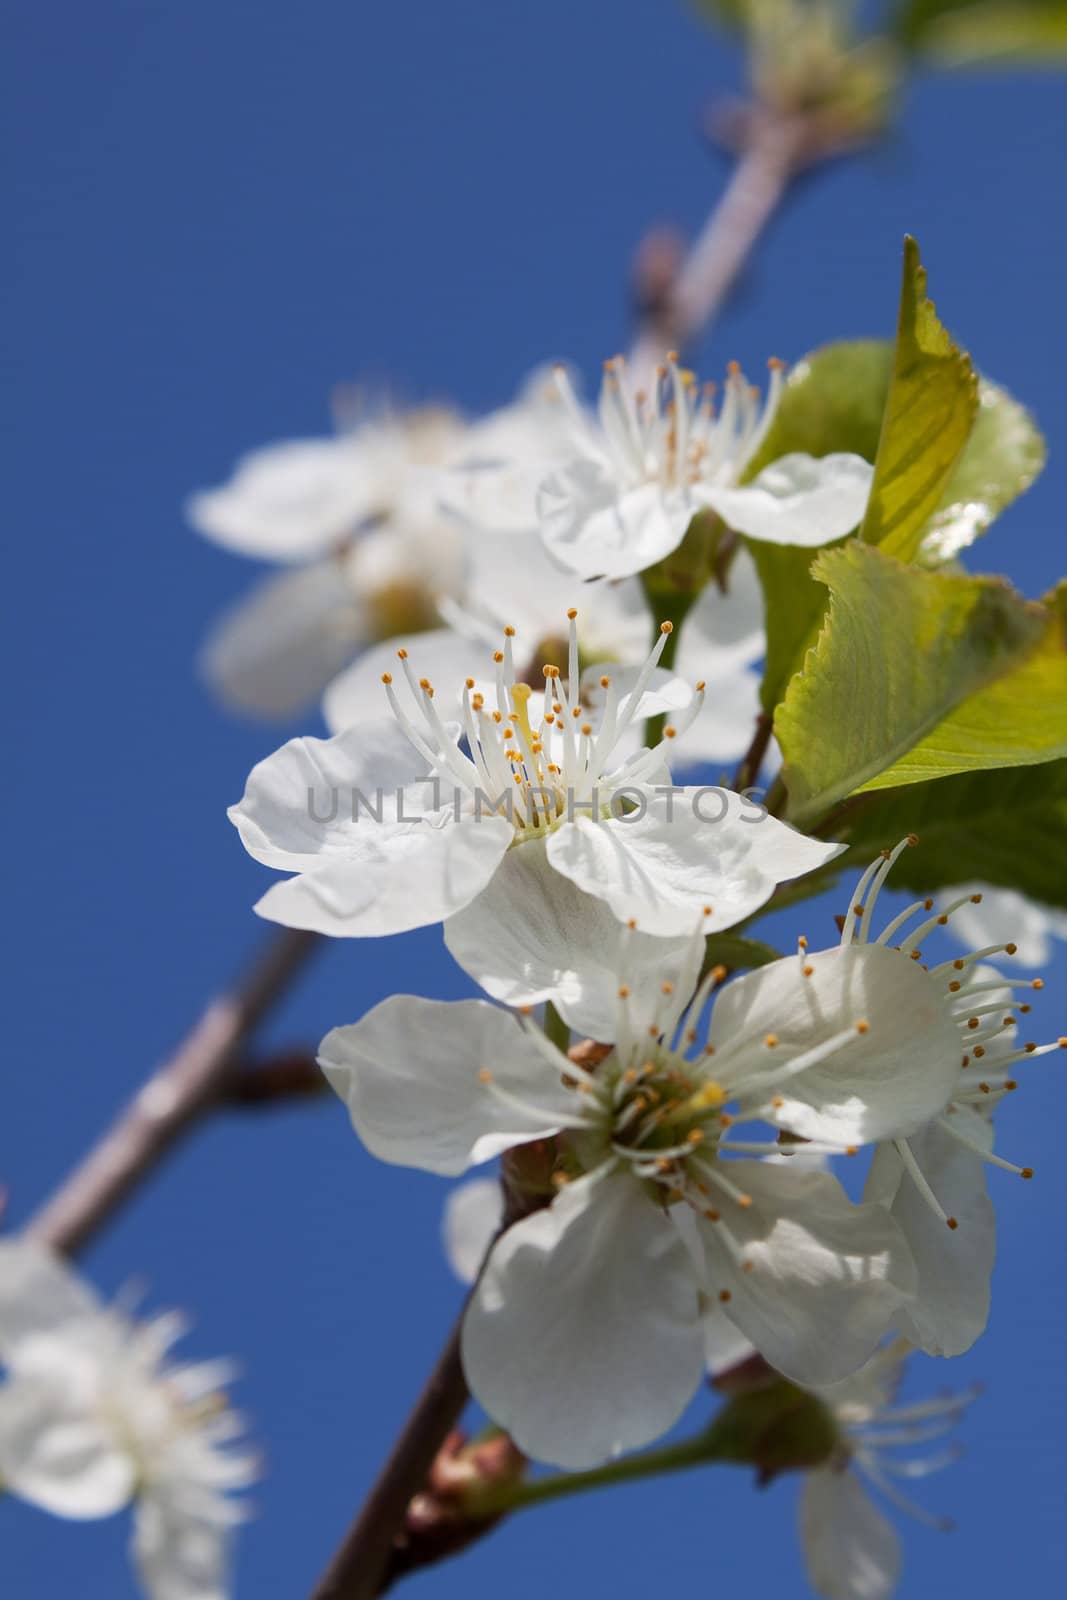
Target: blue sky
[(218, 211)]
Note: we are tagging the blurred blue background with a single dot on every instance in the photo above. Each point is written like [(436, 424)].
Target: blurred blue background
[(217, 211)]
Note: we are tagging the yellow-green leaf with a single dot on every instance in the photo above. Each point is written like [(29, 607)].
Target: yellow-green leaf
[(928, 419), (1017, 719), (965, 33), (900, 650)]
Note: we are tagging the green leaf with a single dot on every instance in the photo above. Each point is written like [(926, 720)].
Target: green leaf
[(901, 649), (1017, 719), (1000, 460), (833, 400), (739, 954), (929, 415), (1007, 827), (962, 33)]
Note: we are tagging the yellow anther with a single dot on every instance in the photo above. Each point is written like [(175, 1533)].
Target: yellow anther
[(387, 677)]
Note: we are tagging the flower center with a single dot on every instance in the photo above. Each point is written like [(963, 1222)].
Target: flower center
[(536, 757), (674, 435)]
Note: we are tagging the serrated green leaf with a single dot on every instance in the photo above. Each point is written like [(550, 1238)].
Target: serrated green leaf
[(1017, 719), (964, 33), (929, 414), (1007, 827), (901, 648), (737, 953)]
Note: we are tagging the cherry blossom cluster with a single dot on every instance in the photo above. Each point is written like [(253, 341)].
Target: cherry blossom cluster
[(514, 739)]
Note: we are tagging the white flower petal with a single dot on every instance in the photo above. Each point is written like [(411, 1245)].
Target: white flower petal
[(472, 1216), (297, 808), (955, 1266), (850, 1551), (177, 1556), (596, 530), (696, 848), (798, 499), (725, 1346), (409, 1073), (393, 878), (883, 1082), (445, 657), (723, 632), (723, 727), (583, 1337), (38, 1294), (533, 935), (292, 501), (277, 648), (825, 1276), (58, 1454)]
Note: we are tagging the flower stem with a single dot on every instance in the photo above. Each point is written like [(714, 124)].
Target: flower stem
[(693, 1452)]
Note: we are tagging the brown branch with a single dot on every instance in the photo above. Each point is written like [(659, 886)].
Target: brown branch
[(749, 765), (294, 1075), (171, 1100), (360, 1564), (772, 149), (368, 1559)]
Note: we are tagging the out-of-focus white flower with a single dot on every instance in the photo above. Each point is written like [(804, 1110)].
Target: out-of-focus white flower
[(585, 1336), (472, 1217), (356, 521), (851, 1551), (646, 463), (545, 771), (935, 1181), (1001, 916), (93, 1417)]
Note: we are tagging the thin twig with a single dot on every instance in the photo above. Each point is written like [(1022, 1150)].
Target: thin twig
[(360, 1564), (257, 1084), (773, 147), (751, 761), (364, 1566), (174, 1096)]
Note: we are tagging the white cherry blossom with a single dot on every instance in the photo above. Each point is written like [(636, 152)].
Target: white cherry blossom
[(94, 1417), (646, 463), (573, 1298), (543, 771), (356, 523), (931, 1171), (851, 1550), (935, 1181)]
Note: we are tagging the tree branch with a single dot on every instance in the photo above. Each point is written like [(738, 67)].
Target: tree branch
[(772, 148), (172, 1099)]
